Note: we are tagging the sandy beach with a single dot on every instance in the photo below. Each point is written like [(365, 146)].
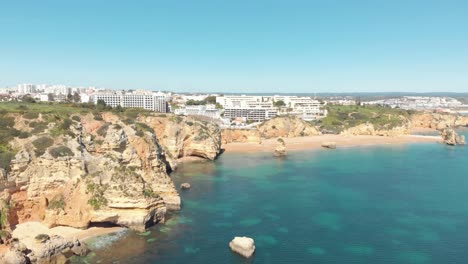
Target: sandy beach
[(315, 142), (27, 232)]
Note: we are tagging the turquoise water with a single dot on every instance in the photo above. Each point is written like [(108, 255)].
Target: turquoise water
[(387, 204)]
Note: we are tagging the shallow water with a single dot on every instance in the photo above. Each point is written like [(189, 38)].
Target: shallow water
[(388, 204)]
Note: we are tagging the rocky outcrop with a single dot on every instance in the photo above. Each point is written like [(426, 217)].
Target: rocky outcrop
[(437, 121), (329, 144), (241, 135), (280, 149), (95, 171), (287, 126), (245, 246), (55, 249), (185, 186), (368, 129), (450, 137), (186, 137)]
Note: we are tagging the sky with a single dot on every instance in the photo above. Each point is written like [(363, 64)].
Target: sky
[(237, 46)]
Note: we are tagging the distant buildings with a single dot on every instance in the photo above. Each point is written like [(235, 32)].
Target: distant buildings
[(260, 108), (140, 99), (418, 103), (200, 110)]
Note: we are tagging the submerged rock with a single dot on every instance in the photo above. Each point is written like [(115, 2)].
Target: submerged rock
[(329, 144), (244, 246), (451, 137), (185, 186)]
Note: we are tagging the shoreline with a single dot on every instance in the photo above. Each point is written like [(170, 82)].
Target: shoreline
[(315, 142)]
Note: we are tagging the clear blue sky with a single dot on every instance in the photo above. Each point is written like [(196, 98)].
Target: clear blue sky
[(241, 45)]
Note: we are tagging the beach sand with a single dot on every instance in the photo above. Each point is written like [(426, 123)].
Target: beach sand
[(26, 232), (315, 142)]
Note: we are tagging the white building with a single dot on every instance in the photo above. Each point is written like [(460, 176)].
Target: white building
[(146, 100), (200, 110), (26, 88), (259, 108)]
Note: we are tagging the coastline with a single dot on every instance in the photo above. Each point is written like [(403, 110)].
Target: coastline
[(315, 142)]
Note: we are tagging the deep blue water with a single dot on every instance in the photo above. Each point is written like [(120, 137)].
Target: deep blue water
[(387, 204)]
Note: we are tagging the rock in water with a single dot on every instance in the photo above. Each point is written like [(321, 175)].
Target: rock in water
[(451, 137), (329, 144), (185, 186), (280, 149), (244, 246)]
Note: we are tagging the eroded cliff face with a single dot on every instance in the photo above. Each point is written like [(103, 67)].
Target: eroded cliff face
[(241, 135), (186, 137), (83, 171), (368, 129), (437, 121), (287, 126)]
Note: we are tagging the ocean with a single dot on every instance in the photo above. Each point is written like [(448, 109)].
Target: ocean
[(381, 204)]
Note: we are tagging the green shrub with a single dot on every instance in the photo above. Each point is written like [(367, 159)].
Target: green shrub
[(42, 238), (24, 134), (76, 118), (97, 116), (31, 115), (61, 151), (102, 131), (128, 121), (149, 193), (6, 155), (141, 128), (57, 202), (41, 144), (37, 127), (97, 199)]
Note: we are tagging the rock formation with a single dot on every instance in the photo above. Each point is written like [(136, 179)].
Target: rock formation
[(368, 129), (96, 171), (451, 137), (329, 144), (54, 250), (241, 135), (186, 136), (185, 186), (245, 246), (280, 149), (437, 121), (287, 126)]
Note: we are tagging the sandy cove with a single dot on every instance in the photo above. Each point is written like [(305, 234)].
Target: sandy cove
[(26, 232), (315, 142)]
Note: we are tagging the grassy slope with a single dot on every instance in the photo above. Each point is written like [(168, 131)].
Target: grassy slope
[(343, 117)]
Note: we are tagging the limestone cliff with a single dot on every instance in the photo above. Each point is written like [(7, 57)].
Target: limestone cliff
[(437, 121), (287, 126), (87, 170), (368, 129), (241, 135), (186, 136)]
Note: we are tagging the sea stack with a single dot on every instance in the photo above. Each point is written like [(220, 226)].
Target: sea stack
[(280, 149), (451, 137), (244, 246)]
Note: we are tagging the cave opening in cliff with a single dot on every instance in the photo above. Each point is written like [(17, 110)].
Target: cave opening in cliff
[(102, 224)]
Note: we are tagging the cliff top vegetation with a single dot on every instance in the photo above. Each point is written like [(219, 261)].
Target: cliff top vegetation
[(341, 117)]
